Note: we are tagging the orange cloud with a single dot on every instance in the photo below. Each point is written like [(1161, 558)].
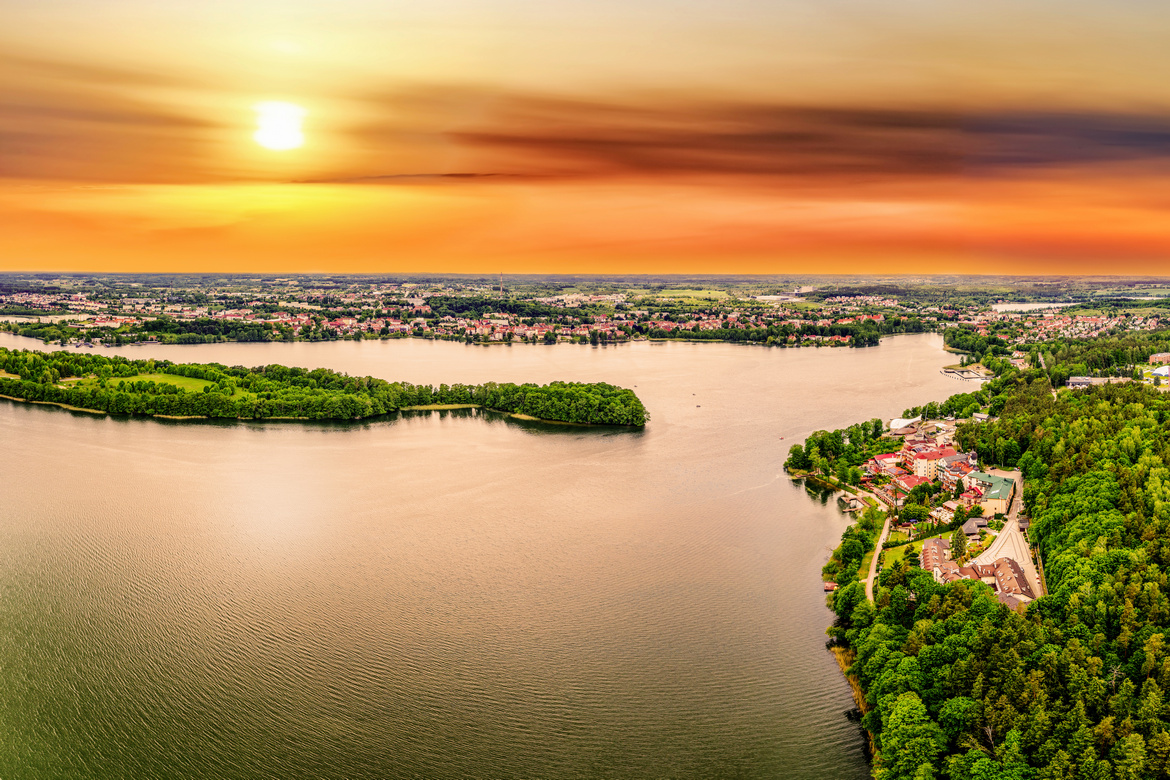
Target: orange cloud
[(109, 169)]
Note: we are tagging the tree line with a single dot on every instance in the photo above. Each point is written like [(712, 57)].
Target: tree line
[(108, 384), (840, 453)]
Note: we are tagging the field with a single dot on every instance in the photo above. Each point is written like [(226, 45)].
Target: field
[(190, 384), (182, 382), (694, 296)]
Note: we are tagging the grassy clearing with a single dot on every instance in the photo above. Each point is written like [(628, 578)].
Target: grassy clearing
[(188, 383), (693, 296), (898, 553), (182, 382), (863, 569), (5, 375)]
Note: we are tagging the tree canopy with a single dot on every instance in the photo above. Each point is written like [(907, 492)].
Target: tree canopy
[(959, 685), (117, 385)]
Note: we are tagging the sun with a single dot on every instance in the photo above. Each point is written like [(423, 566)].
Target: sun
[(278, 125)]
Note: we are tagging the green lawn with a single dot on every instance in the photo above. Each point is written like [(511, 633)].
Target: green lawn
[(897, 553), (863, 569), (191, 384), (183, 382)]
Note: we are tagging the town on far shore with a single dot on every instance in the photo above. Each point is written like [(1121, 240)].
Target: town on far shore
[(116, 309)]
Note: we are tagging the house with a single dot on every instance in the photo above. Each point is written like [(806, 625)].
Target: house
[(971, 497), (934, 552), (996, 492), (939, 434), (1010, 579), (946, 512), (1160, 358), (1004, 575), (1009, 600), (882, 464), (1079, 382), (972, 527), (926, 462), (969, 458), (952, 474), (909, 482)]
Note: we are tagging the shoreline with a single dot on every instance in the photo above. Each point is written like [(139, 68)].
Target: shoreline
[(845, 656), (424, 408), (454, 339)]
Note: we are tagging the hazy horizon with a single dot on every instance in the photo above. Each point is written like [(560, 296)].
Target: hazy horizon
[(676, 135)]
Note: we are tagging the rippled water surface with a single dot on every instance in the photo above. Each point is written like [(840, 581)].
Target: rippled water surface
[(440, 595)]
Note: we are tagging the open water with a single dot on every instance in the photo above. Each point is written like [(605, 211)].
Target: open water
[(439, 595)]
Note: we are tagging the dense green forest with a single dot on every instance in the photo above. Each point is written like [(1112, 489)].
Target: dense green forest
[(960, 686), (841, 452), (480, 306), (1118, 355), (121, 386)]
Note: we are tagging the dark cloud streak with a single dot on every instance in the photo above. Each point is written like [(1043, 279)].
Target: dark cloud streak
[(71, 121), (786, 141)]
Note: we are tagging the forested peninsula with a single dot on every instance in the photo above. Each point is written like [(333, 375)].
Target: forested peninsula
[(161, 388), (955, 684)]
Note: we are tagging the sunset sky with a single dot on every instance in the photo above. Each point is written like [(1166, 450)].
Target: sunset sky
[(657, 136)]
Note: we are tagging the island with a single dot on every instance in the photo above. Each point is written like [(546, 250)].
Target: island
[(161, 388)]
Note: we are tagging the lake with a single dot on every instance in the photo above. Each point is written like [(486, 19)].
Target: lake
[(445, 594)]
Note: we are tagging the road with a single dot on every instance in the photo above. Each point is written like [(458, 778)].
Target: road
[(873, 562), (1011, 542)]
